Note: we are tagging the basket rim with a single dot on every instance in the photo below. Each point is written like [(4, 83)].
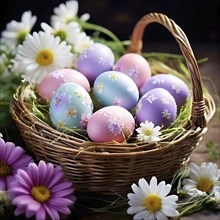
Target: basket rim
[(89, 147)]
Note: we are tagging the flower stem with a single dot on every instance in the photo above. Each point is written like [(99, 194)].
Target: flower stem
[(186, 210), (162, 55), (90, 26)]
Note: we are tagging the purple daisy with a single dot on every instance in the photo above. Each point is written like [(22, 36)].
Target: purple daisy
[(43, 191), (12, 158)]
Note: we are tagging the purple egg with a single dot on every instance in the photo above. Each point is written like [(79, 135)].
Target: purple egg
[(173, 84), (94, 60), (157, 106)]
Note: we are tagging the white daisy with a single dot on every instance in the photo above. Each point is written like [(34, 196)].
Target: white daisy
[(217, 195), (65, 13), (202, 179), (66, 32), (7, 52), (150, 201), (147, 132), (29, 93), (16, 32), (40, 54), (82, 42)]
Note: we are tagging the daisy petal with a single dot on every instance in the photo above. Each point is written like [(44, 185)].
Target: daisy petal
[(141, 215), (133, 210)]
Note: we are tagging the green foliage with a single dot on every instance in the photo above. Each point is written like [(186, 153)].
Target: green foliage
[(212, 150), (8, 87)]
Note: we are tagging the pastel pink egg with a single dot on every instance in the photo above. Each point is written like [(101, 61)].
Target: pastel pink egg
[(135, 66), (111, 123), (53, 80)]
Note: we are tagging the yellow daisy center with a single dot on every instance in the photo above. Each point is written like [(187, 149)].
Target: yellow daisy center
[(44, 57), (40, 193), (5, 169), (148, 132), (61, 34), (204, 184), (153, 203)]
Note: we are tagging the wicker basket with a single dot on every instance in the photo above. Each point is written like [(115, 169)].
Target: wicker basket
[(112, 168)]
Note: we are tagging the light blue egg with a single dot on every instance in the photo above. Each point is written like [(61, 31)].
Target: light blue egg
[(70, 107), (116, 88)]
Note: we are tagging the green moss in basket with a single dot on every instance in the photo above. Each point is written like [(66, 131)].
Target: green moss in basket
[(183, 116)]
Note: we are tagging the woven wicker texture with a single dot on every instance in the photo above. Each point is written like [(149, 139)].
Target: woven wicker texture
[(111, 168)]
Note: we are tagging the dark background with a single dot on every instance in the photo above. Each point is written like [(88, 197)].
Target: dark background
[(200, 20)]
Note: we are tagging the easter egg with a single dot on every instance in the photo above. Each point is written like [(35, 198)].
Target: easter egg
[(135, 66), (157, 106), (110, 123), (96, 59), (173, 84), (115, 88), (70, 107), (53, 80)]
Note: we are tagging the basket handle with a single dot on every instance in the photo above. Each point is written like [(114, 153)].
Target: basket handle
[(198, 103)]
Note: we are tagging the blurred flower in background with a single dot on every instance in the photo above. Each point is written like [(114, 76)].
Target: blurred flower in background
[(12, 158)]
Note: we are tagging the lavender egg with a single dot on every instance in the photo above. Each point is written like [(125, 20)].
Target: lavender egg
[(111, 123), (94, 60), (116, 88), (157, 106), (70, 107), (53, 80), (173, 84)]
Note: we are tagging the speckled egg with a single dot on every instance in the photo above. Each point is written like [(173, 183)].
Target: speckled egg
[(94, 60), (70, 107), (135, 66), (173, 84), (157, 106), (111, 123), (116, 88), (53, 80)]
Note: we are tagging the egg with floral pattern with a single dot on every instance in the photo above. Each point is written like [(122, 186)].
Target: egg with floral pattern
[(135, 66), (94, 60), (110, 123), (157, 106), (53, 80), (70, 107), (173, 84), (116, 88)]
